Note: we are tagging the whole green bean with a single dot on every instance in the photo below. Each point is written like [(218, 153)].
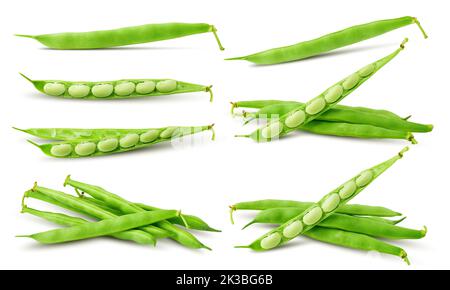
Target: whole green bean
[(102, 228), (355, 241), (351, 209), (346, 114), (122, 36), (118, 203), (69, 221), (329, 42), (362, 225)]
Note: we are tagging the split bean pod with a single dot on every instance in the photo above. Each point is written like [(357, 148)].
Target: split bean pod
[(119, 89)]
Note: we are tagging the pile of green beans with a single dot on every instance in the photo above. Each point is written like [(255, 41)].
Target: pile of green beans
[(119, 89), (76, 143), (332, 220), (346, 121), (329, 42), (122, 36), (113, 216), (323, 115)]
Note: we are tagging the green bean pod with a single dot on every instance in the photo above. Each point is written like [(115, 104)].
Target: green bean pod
[(70, 221), (189, 221), (345, 114), (350, 209), (319, 211), (376, 228), (102, 228), (315, 107), (125, 207), (133, 139), (329, 42), (118, 89), (77, 205), (355, 241), (122, 36)]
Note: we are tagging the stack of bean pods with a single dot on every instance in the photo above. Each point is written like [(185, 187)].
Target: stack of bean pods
[(332, 220), (354, 226), (113, 216), (76, 143), (343, 121)]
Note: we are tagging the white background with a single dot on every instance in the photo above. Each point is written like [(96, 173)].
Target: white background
[(205, 178)]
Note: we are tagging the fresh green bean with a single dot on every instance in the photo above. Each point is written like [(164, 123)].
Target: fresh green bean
[(119, 89), (323, 208), (118, 203), (77, 205), (376, 228), (122, 36), (315, 107), (351, 209), (355, 241), (102, 228), (105, 141), (69, 221), (346, 114), (329, 42)]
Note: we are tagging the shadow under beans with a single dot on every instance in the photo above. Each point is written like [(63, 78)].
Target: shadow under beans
[(333, 53)]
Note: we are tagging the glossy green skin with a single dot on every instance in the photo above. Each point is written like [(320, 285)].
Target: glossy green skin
[(77, 205), (121, 36), (376, 171), (328, 42), (103, 227), (125, 207), (193, 222), (350, 209), (377, 65), (355, 241), (182, 87), (101, 134), (70, 221), (362, 225), (346, 114)]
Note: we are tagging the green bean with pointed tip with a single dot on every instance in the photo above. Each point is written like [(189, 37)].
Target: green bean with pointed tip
[(70, 221), (329, 42), (102, 228), (123, 36)]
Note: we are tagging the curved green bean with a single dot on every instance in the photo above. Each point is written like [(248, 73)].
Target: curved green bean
[(315, 107), (362, 225), (104, 142), (355, 241), (125, 207), (118, 89), (122, 36), (350, 209), (346, 114), (102, 228), (329, 42), (69, 221), (323, 208)]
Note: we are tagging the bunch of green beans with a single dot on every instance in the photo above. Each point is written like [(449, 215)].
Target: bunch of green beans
[(345, 121), (332, 220), (77, 143), (139, 223)]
